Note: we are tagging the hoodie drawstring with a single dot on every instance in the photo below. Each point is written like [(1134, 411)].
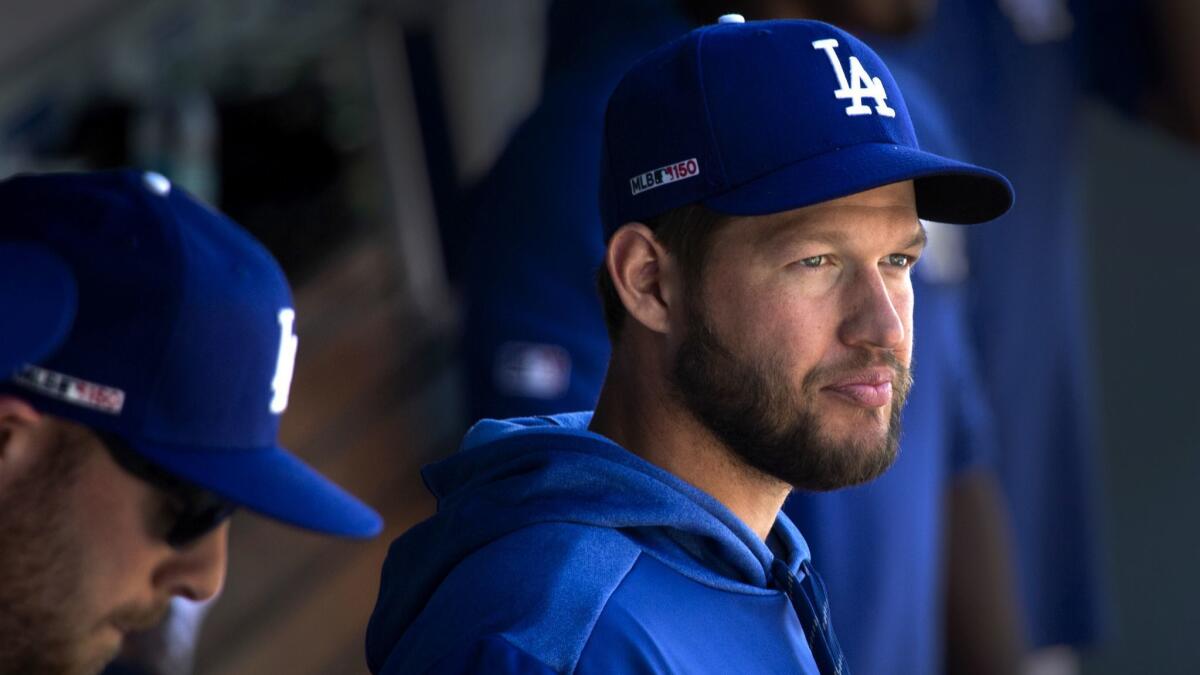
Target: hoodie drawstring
[(811, 604)]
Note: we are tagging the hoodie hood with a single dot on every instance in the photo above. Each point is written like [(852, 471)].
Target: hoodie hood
[(514, 473)]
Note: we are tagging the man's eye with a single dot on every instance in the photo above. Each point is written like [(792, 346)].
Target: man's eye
[(815, 261), (165, 514), (900, 260)]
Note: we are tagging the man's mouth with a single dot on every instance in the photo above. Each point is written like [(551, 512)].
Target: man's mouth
[(867, 388), (140, 620)]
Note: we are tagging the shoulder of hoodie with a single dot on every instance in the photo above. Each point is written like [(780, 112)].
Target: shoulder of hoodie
[(533, 596), (540, 589)]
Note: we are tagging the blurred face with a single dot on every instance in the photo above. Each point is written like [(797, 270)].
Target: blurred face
[(83, 558), (798, 342)]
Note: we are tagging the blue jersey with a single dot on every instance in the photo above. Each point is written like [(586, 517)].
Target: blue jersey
[(555, 550), (535, 340), (536, 343)]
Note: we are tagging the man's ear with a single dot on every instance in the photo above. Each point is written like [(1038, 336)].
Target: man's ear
[(643, 274), (21, 432)]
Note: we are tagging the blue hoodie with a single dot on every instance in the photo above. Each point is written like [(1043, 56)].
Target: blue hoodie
[(556, 550)]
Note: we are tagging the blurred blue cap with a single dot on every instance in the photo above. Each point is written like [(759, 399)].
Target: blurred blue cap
[(750, 118), (37, 293), (181, 340)]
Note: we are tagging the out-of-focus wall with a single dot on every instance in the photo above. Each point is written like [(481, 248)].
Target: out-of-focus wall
[(1145, 241), (491, 56)]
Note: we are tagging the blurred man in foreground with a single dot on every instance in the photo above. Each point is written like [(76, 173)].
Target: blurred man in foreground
[(125, 448)]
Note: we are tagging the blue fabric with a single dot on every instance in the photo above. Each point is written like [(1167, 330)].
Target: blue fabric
[(811, 602), (534, 246), (181, 341), (492, 654), (1017, 105), (767, 116), (38, 293), (692, 613), (543, 533)]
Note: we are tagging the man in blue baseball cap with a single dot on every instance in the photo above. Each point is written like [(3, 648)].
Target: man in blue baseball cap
[(761, 195), (150, 345)]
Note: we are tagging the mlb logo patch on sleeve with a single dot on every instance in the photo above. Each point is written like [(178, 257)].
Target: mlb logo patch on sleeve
[(663, 175)]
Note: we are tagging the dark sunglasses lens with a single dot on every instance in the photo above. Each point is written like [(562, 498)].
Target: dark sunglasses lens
[(200, 512), (196, 521)]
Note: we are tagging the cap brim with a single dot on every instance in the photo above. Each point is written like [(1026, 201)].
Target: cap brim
[(272, 482), (38, 292), (947, 191)]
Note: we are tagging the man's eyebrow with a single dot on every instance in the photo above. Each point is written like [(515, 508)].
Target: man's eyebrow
[(920, 238), (785, 231)]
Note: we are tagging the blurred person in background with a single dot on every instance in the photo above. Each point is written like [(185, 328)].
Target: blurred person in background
[(535, 343), (144, 378)]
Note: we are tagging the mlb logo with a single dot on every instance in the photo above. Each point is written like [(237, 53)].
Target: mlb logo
[(533, 370), (664, 175)]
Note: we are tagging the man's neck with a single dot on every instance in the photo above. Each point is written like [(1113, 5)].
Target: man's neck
[(636, 411)]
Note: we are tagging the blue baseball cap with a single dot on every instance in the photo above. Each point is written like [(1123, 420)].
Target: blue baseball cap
[(181, 341), (750, 118), (37, 292)]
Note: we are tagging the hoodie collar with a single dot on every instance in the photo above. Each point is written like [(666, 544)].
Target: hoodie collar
[(515, 473)]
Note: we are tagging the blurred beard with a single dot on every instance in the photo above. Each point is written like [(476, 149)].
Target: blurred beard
[(44, 627), (39, 570), (751, 408)]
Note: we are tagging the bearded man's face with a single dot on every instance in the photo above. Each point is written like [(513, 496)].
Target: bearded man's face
[(797, 347)]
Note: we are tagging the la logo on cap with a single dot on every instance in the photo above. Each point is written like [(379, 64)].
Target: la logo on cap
[(860, 85), (285, 364)]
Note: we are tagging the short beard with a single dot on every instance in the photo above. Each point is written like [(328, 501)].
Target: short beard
[(40, 569), (751, 408)]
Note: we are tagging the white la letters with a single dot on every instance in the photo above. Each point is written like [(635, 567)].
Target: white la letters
[(859, 86), (285, 366)]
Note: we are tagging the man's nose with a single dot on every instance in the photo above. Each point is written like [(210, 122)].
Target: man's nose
[(197, 572), (874, 311)]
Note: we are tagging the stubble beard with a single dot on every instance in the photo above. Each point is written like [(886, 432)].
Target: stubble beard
[(750, 407), (41, 567)]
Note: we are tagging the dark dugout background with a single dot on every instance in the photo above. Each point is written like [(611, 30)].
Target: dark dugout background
[(1141, 188)]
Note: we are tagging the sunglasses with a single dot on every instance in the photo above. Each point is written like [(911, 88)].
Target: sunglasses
[(194, 511)]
